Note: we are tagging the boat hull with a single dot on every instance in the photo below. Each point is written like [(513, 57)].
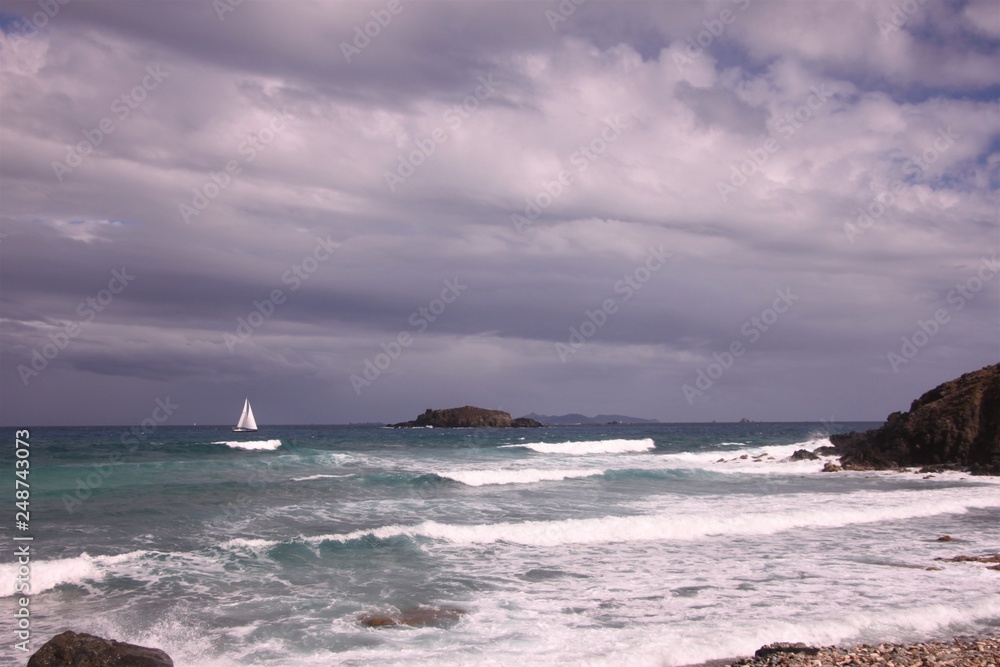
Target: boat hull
[(244, 430)]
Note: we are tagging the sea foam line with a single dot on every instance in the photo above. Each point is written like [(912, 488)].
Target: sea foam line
[(524, 476), (312, 477), (858, 508), (251, 444), (914, 624), (585, 447)]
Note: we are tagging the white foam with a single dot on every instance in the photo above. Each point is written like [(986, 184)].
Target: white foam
[(764, 459), (914, 624), (254, 545), (585, 447), (524, 476), (47, 574), (847, 509), (251, 444), (312, 477)]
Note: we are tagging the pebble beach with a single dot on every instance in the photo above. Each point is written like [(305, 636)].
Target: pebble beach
[(960, 652)]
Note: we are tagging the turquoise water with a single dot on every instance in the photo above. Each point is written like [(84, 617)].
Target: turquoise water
[(603, 545)]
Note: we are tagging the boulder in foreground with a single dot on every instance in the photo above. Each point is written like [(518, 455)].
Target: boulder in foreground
[(956, 425), (467, 417), (782, 648), (73, 649)]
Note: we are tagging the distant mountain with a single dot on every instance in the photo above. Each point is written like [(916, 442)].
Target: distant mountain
[(573, 418)]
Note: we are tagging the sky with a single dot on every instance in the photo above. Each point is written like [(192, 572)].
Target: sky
[(355, 211)]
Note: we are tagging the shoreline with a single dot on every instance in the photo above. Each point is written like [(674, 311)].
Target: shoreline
[(981, 650)]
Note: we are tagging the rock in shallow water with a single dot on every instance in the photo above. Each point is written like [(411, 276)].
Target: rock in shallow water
[(73, 649), (415, 617)]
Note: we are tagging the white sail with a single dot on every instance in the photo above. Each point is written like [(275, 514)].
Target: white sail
[(247, 422)]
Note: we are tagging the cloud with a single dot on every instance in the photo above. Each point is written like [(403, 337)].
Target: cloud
[(779, 145)]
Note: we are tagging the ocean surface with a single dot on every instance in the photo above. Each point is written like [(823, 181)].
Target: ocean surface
[(592, 545)]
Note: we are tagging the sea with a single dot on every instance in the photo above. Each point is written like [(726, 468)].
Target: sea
[(640, 545)]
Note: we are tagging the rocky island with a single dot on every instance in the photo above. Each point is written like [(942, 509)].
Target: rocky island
[(955, 426), (468, 417)]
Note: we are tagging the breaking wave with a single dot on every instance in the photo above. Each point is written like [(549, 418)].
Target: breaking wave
[(251, 444), (526, 476), (585, 447)]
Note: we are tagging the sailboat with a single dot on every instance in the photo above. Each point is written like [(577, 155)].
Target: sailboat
[(247, 422)]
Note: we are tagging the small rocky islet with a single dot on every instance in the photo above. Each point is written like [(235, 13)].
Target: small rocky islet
[(468, 417)]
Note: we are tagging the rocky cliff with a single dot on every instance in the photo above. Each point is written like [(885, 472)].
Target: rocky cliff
[(955, 425), (467, 417)]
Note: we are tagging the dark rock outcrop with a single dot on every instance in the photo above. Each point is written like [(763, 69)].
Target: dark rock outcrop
[(467, 417), (802, 455), (780, 648), (953, 426), (991, 558), (82, 650)]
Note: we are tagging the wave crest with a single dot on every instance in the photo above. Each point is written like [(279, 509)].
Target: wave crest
[(47, 574), (264, 445), (586, 447), (859, 508), (525, 476)]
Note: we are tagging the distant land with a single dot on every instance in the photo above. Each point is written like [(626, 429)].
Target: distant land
[(573, 418)]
